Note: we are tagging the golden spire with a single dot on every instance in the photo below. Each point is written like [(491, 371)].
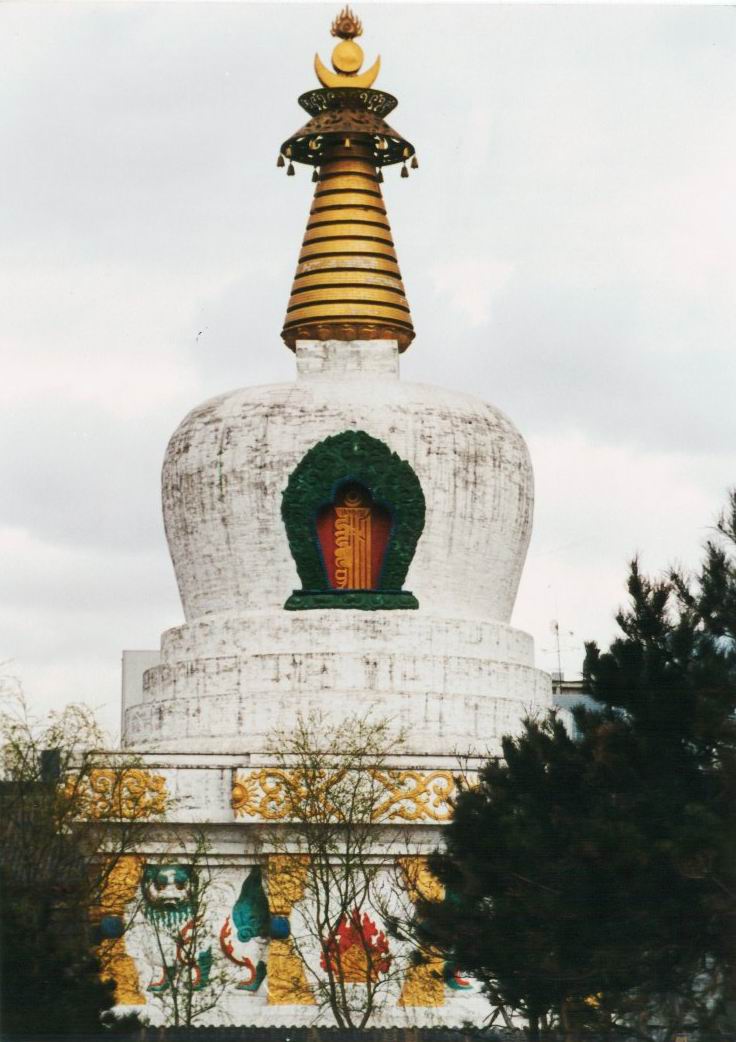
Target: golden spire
[(348, 284)]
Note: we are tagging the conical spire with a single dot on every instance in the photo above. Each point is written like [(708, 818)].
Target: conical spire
[(348, 284)]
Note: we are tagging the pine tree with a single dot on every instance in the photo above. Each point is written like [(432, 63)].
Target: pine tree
[(593, 880)]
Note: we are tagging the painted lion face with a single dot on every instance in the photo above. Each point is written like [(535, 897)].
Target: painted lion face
[(168, 888)]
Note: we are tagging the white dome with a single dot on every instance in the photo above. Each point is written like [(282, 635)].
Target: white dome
[(228, 464)]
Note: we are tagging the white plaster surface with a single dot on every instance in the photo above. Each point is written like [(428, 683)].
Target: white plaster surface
[(135, 662), (463, 689), (227, 681)]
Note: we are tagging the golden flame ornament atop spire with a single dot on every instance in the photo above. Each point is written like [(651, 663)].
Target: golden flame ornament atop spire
[(347, 284), (346, 25)]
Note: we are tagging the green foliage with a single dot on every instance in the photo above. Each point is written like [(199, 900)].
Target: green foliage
[(51, 874), (595, 878), (50, 976)]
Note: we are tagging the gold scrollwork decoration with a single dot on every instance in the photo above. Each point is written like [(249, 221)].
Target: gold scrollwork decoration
[(416, 795), (278, 794), (124, 794), (268, 794)]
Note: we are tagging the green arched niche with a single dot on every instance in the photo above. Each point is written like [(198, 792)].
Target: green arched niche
[(352, 456)]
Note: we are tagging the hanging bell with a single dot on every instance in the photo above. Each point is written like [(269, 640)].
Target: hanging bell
[(315, 176), (290, 170), (404, 171), (414, 163), (280, 161)]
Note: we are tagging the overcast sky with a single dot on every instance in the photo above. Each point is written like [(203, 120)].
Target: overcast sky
[(568, 248)]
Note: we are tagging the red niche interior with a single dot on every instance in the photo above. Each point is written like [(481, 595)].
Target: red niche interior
[(353, 534)]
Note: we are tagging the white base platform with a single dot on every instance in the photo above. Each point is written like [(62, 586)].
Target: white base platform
[(227, 682)]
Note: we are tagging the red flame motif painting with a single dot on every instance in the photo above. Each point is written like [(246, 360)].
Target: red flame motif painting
[(357, 951)]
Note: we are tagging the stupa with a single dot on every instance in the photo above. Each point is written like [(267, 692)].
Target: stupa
[(345, 542)]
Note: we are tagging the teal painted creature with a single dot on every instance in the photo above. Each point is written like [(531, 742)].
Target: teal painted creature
[(245, 932)]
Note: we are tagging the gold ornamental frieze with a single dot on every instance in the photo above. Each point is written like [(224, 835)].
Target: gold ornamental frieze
[(125, 794), (410, 796), (415, 796)]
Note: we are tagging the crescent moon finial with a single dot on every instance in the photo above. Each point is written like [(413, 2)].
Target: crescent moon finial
[(342, 79)]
